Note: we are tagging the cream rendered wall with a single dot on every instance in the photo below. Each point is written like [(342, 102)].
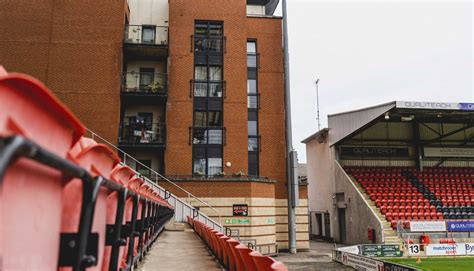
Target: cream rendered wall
[(255, 10), (153, 12), (134, 66), (320, 171)]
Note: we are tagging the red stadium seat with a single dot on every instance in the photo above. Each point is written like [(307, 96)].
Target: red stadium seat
[(247, 259), (99, 160), (266, 263), (33, 226)]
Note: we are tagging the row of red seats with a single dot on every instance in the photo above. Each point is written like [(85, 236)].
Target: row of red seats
[(396, 200), (233, 255), (71, 204)]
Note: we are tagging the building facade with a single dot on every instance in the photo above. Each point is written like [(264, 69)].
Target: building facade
[(192, 89)]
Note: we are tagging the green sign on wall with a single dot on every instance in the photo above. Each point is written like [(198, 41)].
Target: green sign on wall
[(237, 221)]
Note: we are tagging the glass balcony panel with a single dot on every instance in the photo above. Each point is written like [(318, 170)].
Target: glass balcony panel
[(146, 34), (144, 82), (142, 133)]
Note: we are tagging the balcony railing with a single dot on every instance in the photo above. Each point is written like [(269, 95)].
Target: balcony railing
[(207, 135), (212, 89), (142, 133), (144, 82), (146, 34)]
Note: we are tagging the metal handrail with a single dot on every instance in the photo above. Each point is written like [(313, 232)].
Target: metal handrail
[(161, 177)]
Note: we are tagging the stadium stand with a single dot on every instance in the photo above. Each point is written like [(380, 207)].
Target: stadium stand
[(231, 253), (71, 205), (403, 193)]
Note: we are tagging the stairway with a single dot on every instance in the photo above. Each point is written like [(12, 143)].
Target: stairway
[(390, 235)]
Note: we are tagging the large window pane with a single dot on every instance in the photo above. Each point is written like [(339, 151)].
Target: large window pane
[(200, 119), (148, 34), (200, 73), (215, 73), (200, 89), (215, 29), (253, 144), (215, 89), (199, 136), (199, 165), (215, 166), (252, 125), (215, 45), (251, 47), (252, 102), (215, 119), (251, 86), (215, 136), (201, 29), (252, 61), (200, 44)]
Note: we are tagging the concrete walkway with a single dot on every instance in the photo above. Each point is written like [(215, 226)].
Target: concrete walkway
[(318, 258), (178, 250)]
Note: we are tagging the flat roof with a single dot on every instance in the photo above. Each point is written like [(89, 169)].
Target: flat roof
[(341, 125)]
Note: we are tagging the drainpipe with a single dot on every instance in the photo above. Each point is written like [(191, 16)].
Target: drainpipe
[(292, 163)]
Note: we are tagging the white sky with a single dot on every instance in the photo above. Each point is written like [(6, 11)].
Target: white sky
[(371, 52)]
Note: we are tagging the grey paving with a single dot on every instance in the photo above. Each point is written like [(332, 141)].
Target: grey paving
[(318, 258), (178, 250)]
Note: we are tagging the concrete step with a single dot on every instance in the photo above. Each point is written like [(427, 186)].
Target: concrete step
[(176, 226)]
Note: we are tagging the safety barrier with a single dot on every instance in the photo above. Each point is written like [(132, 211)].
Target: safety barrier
[(66, 201), (231, 253)]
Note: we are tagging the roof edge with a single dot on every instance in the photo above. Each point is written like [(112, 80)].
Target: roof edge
[(362, 109), (313, 136)]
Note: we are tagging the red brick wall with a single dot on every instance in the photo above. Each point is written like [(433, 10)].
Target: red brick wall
[(268, 33), (237, 29), (183, 14), (223, 189), (75, 48)]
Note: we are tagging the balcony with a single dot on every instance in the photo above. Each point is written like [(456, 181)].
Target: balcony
[(144, 88), (142, 135), (145, 41)]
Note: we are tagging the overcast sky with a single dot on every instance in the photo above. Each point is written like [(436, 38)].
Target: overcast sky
[(371, 52)]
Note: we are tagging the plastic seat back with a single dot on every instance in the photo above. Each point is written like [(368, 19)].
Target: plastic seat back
[(29, 109)]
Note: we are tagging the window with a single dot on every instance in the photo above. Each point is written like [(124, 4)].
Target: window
[(251, 47), (215, 119), (252, 125), (200, 119), (252, 86), (253, 144), (200, 73), (252, 102), (207, 131), (208, 37), (252, 105), (215, 166), (148, 34), (147, 76), (215, 73)]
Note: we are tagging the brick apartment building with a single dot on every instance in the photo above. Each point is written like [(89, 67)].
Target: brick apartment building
[(192, 89)]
